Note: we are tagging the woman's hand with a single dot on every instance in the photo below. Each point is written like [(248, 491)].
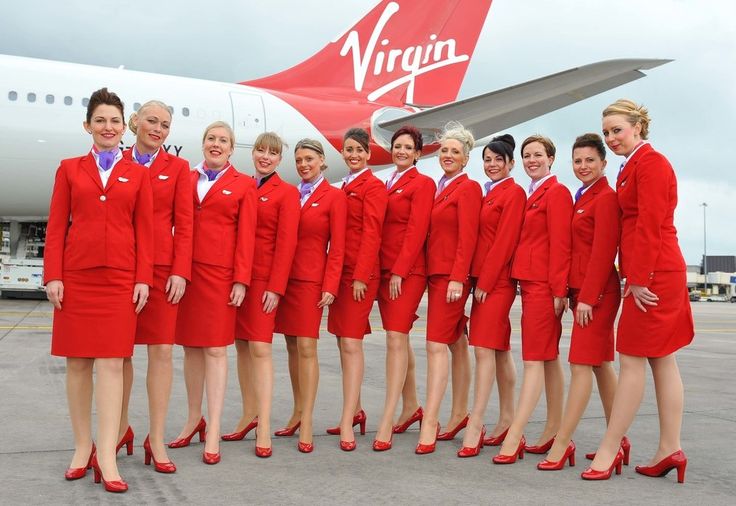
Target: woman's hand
[(583, 314), (359, 289), (480, 295), (55, 292), (237, 294), (327, 299), (140, 296), (454, 291), (642, 296), (394, 287), (560, 304), (270, 300), (175, 287)]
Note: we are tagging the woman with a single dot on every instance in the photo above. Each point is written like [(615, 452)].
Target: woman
[(656, 319), (595, 294), (222, 261), (403, 278), (541, 264), (276, 229), (501, 217), (172, 210), (453, 232), (348, 315), (97, 274), (313, 282)]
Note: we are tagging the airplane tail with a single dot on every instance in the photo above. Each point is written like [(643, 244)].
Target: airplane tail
[(401, 52)]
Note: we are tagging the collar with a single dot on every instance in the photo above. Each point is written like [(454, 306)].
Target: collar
[(536, 184)]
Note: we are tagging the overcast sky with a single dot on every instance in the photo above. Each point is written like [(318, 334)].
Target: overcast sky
[(691, 100)]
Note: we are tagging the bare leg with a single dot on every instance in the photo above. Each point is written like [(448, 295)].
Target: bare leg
[(79, 398), (247, 390), (531, 390), (127, 388), (485, 370), (351, 351), (194, 382), (308, 381), (437, 373), (629, 393), (293, 353), (262, 377), (581, 384), (409, 400), (108, 398), (605, 377), (506, 381), (358, 406), (670, 404), (158, 383), (461, 375), (397, 358), (554, 393), (215, 371)]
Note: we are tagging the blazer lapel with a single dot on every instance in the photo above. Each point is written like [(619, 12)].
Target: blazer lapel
[(90, 167), (450, 187), (357, 182), (160, 163), (225, 179), (631, 165), (497, 192), (269, 186), (404, 180), (534, 197), (119, 171)]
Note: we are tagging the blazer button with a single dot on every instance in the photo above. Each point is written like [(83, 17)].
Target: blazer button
[(103, 198)]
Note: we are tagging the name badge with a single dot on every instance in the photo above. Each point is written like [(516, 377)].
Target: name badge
[(352, 194), (581, 211), (123, 179), (623, 183), (226, 192), (399, 190), (162, 177), (535, 205), (264, 199), (315, 204)]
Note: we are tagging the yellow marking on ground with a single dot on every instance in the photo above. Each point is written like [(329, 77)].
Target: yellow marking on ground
[(25, 327)]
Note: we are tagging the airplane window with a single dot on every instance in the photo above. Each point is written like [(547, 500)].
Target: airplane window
[(185, 111), (68, 100), (85, 102), (31, 97), (49, 99), (12, 95), (136, 106)]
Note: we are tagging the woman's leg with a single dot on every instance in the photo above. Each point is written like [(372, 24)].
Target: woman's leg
[(194, 382), (506, 381), (554, 393), (437, 373), (262, 378), (397, 357), (308, 381), (351, 353), (108, 400), (158, 383), (215, 372), (409, 400), (247, 390), (128, 374), (79, 398), (531, 390), (670, 404), (485, 371), (461, 375), (294, 359), (605, 377), (581, 384)]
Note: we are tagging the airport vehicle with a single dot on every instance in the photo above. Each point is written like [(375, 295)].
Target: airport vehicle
[(402, 62)]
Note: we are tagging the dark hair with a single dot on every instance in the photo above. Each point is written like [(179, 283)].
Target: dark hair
[(549, 146), (103, 97), (360, 136), (412, 132), (591, 141), (501, 145)]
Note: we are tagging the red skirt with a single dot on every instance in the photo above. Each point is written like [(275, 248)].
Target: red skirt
[(97, 317), (298, 314), (348, 317), (254, 324), (540, 328), (399, 315), (664, 328), (206, 320), (446, 321), (157, 321), (490, 326), (593, 344)]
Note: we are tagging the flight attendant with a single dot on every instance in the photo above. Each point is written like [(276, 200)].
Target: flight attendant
[(222, 262), (348, 315), (541, 264), (276, 231), (656, 319), (501, 217), (595, 294), (403, 278), (313, 282), (453, 232), (172, 211), (97, 272)]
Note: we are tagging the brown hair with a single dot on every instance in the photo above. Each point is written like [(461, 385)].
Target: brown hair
[(360, 136), (633, 112), (412, 132), (549, 146), (590, 140), (104, 97)]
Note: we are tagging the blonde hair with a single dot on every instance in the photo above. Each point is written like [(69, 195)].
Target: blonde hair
[(633, 112), (220, 124), (133, 120), (270, 141), (455, 131), (314, 145)]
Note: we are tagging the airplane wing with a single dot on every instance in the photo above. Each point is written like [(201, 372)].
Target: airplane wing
[(495, 111)]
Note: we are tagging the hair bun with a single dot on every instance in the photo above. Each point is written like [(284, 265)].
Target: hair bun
[(505, 138)]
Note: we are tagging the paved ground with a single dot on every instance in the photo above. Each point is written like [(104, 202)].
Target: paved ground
[(36, 441)]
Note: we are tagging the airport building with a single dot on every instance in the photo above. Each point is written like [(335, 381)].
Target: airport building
[(714, 279)]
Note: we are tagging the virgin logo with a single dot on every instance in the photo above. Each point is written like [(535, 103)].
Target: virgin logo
[(414, 60)]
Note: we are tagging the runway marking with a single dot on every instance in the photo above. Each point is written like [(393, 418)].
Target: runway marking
[(25, 327)]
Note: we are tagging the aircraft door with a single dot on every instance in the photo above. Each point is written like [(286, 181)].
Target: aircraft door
[(249, 119)]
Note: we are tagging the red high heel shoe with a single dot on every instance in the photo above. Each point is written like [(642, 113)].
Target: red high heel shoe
[(382, 446), (423, 449), (75, 473), (116, 486), (569, 455), (677, 460), (473, 451), (184, 441), (305, 447), (495, 440), (288, 431), (447, 436), (625, 446), (510, 459), (543, 448), (358, 419), (239, 435), (211, 458), (348, 446), (592, 474), (417, 416), (127, 441), (160, 467)]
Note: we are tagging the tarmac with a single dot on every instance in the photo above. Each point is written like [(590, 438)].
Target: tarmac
[(36, 441)]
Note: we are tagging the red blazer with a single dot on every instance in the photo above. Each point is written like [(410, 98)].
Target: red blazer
[(453, 229), (322, 223), (647, 195), (276, 230), (172, 212), (405, 227), (501, 218), (595, 234), (225, 224), (543, 253), (367, 200), (112, 226)]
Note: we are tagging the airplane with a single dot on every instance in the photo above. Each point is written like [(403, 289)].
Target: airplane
[(403, 62)]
